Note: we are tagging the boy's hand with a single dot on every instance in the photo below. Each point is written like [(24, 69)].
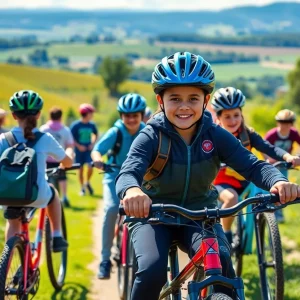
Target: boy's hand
[(90, 147), (81, 148), (287, 191), (136, 203), (98, 164), (295, 160)]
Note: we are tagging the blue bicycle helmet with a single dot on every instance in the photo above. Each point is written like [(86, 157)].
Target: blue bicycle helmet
[(131, 103), (183, 68), (227, 98)]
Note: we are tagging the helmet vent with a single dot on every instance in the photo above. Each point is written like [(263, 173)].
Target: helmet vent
[(182, 67), (203, 69), (162, 71)]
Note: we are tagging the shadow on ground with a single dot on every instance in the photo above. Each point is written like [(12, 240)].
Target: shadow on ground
[(71, 291)]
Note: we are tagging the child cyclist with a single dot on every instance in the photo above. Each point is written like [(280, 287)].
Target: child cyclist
[(227, 103), (26, 108), (183, 83), (283, 136), (85, 134), (131, 108), (64, 137)]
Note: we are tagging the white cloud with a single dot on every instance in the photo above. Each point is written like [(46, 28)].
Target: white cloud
[(134, 4)]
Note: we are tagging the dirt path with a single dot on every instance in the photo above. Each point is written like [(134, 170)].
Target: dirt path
[(108, 289), (101, 289)]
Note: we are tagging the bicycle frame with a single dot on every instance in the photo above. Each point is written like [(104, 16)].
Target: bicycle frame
[(207, 255), (32, 258), (248, 221)]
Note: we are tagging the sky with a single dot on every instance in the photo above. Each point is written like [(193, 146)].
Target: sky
[(135, 4)]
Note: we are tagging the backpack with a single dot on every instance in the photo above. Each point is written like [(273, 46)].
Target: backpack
[(117, 147), (18, 172)]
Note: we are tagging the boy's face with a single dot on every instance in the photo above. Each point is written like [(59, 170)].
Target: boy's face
[(88, 117), (183, 105), (285, 126), (132, 121), (231, 119)]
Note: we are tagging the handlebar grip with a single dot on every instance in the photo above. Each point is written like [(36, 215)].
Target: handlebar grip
[(274, 198), (121, 210)]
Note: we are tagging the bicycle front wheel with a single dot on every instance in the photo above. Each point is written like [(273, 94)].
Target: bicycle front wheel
[(269, 253), (237, 246), (11, 270), (126, 272), (56, 262)]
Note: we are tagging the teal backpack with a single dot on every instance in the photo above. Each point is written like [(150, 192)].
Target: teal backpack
[(18, 172)]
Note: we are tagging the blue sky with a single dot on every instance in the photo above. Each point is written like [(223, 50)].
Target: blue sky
[(135, 4)]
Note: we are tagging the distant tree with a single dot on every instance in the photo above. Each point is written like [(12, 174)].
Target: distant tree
[(294, 82), (114, 71), (15, 60), (70, 116), (95, 102), (39, 57)]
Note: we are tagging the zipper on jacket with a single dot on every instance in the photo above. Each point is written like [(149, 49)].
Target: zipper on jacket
[(188, 173)]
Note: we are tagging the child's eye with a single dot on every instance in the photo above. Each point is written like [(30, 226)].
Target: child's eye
[(194, 99), (174, 99)]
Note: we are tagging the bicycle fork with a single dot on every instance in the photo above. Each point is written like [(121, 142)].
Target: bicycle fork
[(212, 269)]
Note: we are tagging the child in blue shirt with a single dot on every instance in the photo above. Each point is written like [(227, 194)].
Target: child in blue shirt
[(85, 135), (131, 108)]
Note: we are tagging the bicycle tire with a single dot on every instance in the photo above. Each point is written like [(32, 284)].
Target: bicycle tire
[(237, 251), (126, 274), (57, 272), (218, 296), (268, 221), (13, 245)]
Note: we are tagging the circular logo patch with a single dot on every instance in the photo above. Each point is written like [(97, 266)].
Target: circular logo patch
[(207, 146)]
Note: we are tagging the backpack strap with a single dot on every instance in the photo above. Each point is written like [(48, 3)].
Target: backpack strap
[(31, 143), (164, 147), (11, 139), (244, 137), (117, 147)]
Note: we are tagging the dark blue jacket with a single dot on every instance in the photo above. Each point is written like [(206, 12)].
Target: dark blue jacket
[(187, 177)]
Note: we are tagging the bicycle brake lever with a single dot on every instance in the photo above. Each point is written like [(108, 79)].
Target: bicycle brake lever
[(162, 218)]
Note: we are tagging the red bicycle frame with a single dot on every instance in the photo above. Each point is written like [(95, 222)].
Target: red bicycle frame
[(32, 258), (208, 256)]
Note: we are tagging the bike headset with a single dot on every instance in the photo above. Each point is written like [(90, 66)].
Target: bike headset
[(183, 69)]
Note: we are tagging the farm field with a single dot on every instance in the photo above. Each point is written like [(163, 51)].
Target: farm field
[(84, 52), (65, 89)]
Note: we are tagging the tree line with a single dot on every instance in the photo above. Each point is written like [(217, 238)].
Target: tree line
[(265, 40)]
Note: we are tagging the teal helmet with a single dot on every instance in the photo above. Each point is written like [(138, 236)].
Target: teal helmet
[(131, 103), (183, 68), (26, 102)]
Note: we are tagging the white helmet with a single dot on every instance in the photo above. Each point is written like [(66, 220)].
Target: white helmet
[(227, 98)]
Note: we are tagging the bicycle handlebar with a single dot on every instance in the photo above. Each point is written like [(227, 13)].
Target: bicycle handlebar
[(211, 213), (283, 164), (53, 171), (107, 168)]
